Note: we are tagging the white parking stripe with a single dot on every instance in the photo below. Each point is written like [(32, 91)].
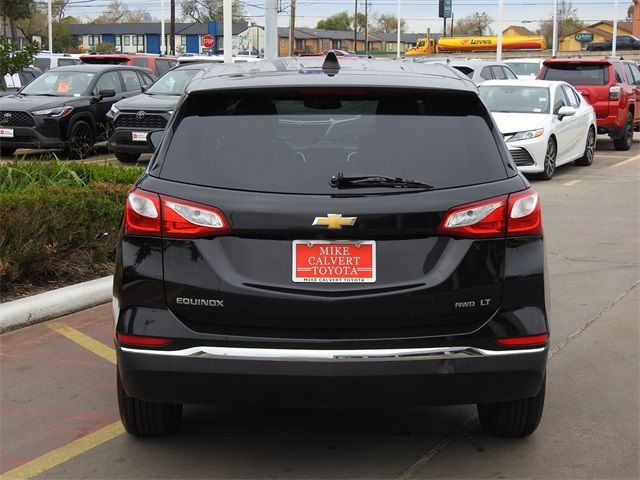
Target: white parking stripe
[(625, 162), (571, 183)]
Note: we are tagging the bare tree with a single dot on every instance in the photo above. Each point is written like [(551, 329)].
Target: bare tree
[(568, 22), (387, 23), (203, 11), (473, 24)]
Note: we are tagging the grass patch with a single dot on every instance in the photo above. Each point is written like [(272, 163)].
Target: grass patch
[(59, 221)]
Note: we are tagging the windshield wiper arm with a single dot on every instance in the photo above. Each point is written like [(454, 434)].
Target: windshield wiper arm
[(368, 181)]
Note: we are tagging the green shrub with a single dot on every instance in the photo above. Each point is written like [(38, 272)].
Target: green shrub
[(20, 175), (59, 221)]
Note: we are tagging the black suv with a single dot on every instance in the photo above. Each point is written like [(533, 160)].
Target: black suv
[(315, 233), (130, 120), (66, 107)]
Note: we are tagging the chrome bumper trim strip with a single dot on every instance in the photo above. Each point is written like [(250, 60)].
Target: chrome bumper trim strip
[(301, 355)]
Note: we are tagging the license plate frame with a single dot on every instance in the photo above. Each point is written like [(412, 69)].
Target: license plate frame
[(365, 268), (7, 133), (139, 136)]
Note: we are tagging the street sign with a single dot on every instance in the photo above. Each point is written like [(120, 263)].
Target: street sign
[(444, 8), (208, 41), (584, 37)]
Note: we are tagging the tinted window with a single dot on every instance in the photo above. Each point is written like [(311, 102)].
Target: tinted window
[(635, 72), (141, 62), (510, 75), (146, 79), (498, 73), (525, 68), (619, 72), (560, 101), (466, 70), (163, 66), (131, 81), (292, 143), (578, 73), (486, 73), (109, 81), (571, 96), (62, 62), (42, 63)]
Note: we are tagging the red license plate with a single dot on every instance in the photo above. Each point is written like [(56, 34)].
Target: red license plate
[(319, 261)]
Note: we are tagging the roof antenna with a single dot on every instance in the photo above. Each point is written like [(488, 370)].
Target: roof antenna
[(331, 66)]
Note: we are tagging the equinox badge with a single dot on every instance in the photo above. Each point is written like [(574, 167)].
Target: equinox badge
[(334, 221), (201, 302)]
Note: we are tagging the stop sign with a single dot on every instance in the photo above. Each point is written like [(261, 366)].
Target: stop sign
[(208, 41)]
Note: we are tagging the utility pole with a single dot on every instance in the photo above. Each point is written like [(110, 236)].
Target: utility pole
[(554, 41), (49, 24), (500, 14), (271, 29), (227, 13), (355, 29), (366, 27), (614, 40), (292, 29), (172, 37), (163, 42), (398, 34)]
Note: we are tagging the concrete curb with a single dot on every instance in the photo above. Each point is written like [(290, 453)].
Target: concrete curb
[(55, 303)]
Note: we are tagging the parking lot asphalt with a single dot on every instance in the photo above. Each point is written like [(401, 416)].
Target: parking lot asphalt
[(59, 414)]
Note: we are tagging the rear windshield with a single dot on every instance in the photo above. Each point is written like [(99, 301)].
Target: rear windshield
[(578, 73), (525, 68), (295, 143)]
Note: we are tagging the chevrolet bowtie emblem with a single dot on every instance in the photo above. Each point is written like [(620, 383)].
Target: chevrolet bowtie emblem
[(335, 221)]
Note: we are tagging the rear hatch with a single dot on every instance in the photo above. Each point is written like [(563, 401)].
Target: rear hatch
[(590, 78), (298, 257)]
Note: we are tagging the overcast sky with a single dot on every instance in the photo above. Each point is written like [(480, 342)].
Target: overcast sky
[(419, 14)]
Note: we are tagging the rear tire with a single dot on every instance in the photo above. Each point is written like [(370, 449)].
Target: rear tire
[(626, 141), (127, 157), (147, 419), (589, 149), (7, 151), (515, 418)]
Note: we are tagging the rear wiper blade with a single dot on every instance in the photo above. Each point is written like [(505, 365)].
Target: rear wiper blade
[(369, 181)]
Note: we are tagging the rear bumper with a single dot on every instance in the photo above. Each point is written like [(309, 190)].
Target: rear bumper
[(313, 378)]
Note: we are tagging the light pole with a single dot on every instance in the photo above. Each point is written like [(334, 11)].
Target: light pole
[(398, 35), (499, 48), (614, 40), (554, 41), (49, 25)]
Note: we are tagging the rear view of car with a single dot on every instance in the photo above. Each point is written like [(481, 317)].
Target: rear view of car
[(323, 237), (611, 86)]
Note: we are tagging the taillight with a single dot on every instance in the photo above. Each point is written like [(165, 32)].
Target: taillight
[(181, 218), (525, 217), (524, 341), (150, 214), (513, 215), (142, 213), (142, 340), (479, 219), (614, 92)]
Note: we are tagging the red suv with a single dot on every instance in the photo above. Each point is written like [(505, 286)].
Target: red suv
[(612, 86), (158, 64)]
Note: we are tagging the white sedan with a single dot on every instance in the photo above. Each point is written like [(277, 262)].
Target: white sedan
[(545, 124)]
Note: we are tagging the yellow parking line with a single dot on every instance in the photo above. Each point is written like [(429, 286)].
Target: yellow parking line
[(60, 455), (625, 162), (84, 341), (571, 183)]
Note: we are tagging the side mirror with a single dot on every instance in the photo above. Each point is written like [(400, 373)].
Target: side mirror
[(107, 93), (155, 138), (566, 111)]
